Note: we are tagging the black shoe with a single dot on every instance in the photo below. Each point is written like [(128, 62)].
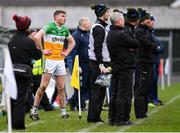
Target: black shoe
[(142, 117), (129, 123), (84, 109), (18, 127), (95, 121), (159, 103), (111, 123), (124, 123), (65, 116), (145, 116)]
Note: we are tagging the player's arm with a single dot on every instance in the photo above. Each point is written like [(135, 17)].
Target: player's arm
[(71, 44), (38, 38)]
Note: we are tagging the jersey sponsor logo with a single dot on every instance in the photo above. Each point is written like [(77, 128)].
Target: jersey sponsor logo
[(57, 39)]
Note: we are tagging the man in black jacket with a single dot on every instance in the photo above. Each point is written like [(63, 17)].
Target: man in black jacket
[(22, 50), (144, 66), (98, 61), (131, 21), (119, 45)]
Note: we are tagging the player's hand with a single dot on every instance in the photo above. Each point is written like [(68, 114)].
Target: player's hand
[(47, 52), (64, 53)]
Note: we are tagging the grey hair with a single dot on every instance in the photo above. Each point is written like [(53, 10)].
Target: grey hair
[(82, 20), (115, 16)]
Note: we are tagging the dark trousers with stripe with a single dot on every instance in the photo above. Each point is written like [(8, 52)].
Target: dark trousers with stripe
[(141, 89), (97, 94)]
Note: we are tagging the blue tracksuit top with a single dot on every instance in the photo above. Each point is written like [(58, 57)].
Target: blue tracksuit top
[(81, 48)]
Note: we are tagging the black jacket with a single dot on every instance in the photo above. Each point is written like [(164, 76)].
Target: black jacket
[(147, 48), (119, 44), (23, 49), (129, 29)]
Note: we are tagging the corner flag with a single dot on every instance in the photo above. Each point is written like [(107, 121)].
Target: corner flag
[(10, 82), (75, 82)]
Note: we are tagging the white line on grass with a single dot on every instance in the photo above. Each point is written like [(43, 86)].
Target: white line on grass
[(149, 114), (34, 123), (91, 127), (135, 123), (28, 125)]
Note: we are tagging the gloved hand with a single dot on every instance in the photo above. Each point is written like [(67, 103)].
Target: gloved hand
[(103, 69)]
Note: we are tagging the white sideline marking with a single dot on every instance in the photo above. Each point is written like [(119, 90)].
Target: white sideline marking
[(28, 125), (149, 114), (135, 123), (37, 122), (94, 126), (34, 123)]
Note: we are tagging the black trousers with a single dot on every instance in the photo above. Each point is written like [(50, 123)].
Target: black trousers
[(44, 103), (120, 102), (97, 94), (18, 106), (141, 89)]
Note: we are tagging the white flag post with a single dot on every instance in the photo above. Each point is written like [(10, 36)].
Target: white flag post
[(167, 72), (9, 85), (107, 92), (79, 90), (79, 101)]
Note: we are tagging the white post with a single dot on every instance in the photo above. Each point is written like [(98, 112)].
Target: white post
[(79, 91), (162, 82), (79, 100), (170, 58), (9, 113), (107, 91), (168, 71), (162, 73), (8, 109)]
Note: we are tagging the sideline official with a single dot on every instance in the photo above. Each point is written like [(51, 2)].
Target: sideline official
[(119, 45), (144, 66), (98, 61)]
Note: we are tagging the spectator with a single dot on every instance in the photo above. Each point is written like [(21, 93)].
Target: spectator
[(22, 51)]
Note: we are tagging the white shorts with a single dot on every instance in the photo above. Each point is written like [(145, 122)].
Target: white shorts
[(55, 67)]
